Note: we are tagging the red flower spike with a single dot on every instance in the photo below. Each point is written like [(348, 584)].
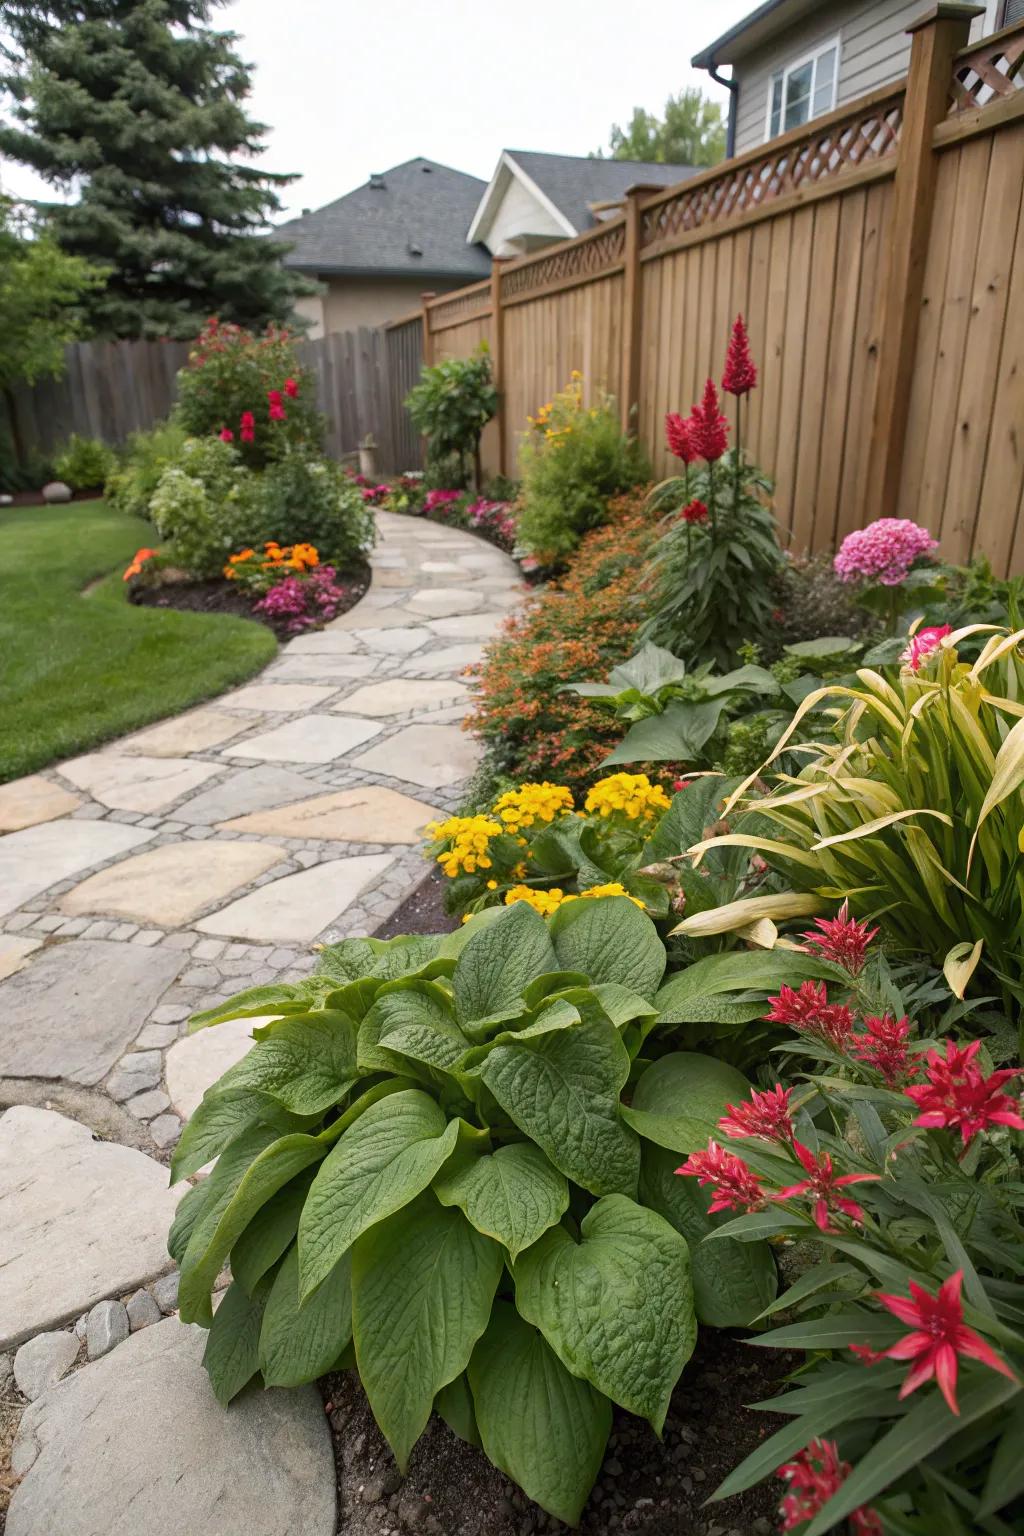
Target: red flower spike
[(939, 1337), (707, 429), (291, 388), (821, 1186), (247, 427), (226, 435), (740, 374), (842, 939), (766, 1116), (813, 1476), (866, 1355), (885, 1047), (810, 1011), (736, 1187), (677, 437), (958, 1097), (694, 512)]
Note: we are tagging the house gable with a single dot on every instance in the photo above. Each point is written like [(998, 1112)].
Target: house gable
[(515, 215)]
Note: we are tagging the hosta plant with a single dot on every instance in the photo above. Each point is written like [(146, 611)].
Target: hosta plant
[(449, 1160)]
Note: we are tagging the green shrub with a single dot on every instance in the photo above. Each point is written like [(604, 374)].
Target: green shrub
[(252, 387), (572, 464), (312, 501), (451, 405), (84, 463), (132, 481), (206, 505), (434, 1149)]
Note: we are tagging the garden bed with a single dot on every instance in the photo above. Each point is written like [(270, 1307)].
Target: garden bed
[(219, 596)]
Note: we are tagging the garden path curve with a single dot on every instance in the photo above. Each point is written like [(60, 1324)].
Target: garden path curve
[(142, 882)]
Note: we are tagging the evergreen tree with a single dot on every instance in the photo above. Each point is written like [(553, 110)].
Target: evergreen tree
[(139, 107), (692, 132)]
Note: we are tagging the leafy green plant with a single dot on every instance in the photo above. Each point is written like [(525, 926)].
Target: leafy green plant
[(84, 463), (572, 464), (452, 1153), (452, 403), (205, 505), (305, 499), (134, 477)]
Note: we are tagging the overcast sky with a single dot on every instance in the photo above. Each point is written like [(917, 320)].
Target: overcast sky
[(348, 89)]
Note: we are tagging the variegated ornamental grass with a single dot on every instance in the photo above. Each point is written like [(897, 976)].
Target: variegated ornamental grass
[(915, 813)]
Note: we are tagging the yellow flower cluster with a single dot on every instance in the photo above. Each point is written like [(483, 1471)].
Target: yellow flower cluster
[(631, 793), (546, 902), (531, 803), (469, 838)]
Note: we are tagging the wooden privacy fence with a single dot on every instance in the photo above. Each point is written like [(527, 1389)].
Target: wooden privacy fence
[(878, 255)]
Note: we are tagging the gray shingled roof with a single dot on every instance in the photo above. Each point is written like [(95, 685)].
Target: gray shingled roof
[(573, 183), (421, 207)]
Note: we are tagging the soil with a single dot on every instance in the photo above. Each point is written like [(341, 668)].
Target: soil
[(218, 596), (422, 911), (647, 1486)]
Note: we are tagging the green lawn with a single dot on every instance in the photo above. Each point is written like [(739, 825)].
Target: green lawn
[(78, 669)]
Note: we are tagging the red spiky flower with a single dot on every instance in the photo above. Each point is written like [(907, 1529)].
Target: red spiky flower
[(809, 1010), (694, 512), (886, 1047), (740, 374), (813, 1476), (957, 1096), (939, 1337), (842, 939), (677, 437), (766, 1115), (707, 428), (821, 1187), (736, 1187)]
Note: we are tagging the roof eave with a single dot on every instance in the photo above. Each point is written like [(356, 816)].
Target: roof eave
[(330, 269), (757, 27)]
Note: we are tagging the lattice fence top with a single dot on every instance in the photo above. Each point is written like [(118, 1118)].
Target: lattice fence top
[(827, 149), (587, 256), (467, 304), (990, 70)]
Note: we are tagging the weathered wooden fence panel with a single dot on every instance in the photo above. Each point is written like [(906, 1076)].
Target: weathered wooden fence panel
[(404, 354)]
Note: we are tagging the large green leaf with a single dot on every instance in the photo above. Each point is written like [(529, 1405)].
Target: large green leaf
[(610, 939), (544, 1427), (270, 1232), (384, 959), (222, 1117), (500, 960), (680, 1099), (231, 1357), (692, 811), (307, 1064), (563, 1090), (676, 736), (455, 1405), (732, 1282), (190, 1208), (682, 996), (412, 1019), (616, 1307), (422, 1287), (298, 1344), (379, 1164), (279, 997), (513, 1194)]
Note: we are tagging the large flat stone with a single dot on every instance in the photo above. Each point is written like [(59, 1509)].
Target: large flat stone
[(197, 731), (77, 1007), (29, 801), (432, 755), (397, 695), (195, 1062), (401, 640), (14, 951), (441, 602), (81, 1220), (371, 814), (325, 642), (468, 626), (136, 1444), (313, 739), (247, 789), (37, 857), (136, 783), (284, 698), (452, 659), (294, 909), (318, 666), (170, 885)]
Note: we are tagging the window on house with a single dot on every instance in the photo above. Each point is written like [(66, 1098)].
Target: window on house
[(1012, 10), (803, 90)]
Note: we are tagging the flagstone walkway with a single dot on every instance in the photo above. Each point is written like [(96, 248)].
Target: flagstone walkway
[(155, 877)]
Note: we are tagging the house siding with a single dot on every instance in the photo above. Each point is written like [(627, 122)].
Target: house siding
[(518, 214), (874, 51), (350, 302)]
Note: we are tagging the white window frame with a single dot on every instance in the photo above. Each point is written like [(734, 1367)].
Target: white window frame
[(788, 69)]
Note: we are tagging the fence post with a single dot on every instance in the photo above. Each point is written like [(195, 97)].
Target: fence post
[(629, 392), (428, 340), (937, 37), (498, 356)]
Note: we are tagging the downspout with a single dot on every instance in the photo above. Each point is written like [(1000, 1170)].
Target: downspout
[(732, 86)]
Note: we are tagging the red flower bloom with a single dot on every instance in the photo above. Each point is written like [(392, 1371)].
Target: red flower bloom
[(707, 428), (677, 437), (821, 1186), (814, 1475), (694, 512), (842, 939), (885, 1048), (958, 1097), (247, 427), (923, 643), (226, 435), (810, 1011), (276, 405), (939, 1337), (740, 375), (291, 388), (678, 784), (736, 1187), (766, 1115), (866, 1354)]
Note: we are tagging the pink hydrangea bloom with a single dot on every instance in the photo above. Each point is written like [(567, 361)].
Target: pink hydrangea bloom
[(883, 552)]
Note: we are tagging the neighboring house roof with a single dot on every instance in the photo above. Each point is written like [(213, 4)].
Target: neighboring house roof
[(757, 28), (407, 222), (569, 185)]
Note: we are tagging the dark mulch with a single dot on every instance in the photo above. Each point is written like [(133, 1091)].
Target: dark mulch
[(647, 1486), (218, 596), (422, 911)]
